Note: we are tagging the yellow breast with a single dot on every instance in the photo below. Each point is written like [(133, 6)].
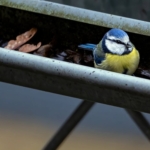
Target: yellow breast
[(121, 63)]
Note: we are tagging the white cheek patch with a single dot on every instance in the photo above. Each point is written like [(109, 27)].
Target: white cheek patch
[(115, 48)]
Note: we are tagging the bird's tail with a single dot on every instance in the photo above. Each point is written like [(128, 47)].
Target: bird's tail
[(87, 46)]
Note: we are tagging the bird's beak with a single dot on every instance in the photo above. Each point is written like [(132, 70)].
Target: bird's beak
[(129, 45)]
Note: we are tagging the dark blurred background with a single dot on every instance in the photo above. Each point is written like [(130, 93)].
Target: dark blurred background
[(30, 117)]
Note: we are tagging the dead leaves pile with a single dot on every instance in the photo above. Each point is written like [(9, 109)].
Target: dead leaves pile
[(23, 43), (21, 39)]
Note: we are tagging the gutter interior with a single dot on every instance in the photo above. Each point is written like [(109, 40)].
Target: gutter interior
[(68, 33)]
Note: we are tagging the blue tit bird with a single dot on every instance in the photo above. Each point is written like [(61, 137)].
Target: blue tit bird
[(114, 52)]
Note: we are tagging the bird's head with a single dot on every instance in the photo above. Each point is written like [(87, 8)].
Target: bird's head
[(116, 41)]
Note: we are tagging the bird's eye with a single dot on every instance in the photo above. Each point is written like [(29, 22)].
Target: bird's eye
[(117, 41)]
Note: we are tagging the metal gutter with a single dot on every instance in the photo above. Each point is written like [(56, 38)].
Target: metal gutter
[(74, 80), (71, 79), (81, 15)]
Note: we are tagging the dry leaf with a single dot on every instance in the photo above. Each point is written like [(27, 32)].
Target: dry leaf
[(88, 58), (44, 50), (142, 72), (63, 54), (77, 58), (59, 57), (27, 48), (70, 52), (21, 39)]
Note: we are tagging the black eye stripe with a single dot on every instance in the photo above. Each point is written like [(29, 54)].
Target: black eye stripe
[(117, 41)]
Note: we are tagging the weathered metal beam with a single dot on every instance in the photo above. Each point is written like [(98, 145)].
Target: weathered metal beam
[(69, 125), (81, 15), (140, 121)]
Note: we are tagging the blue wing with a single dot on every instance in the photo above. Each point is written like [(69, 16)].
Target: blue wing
[(91, 47), (87, 46), (98, 59)]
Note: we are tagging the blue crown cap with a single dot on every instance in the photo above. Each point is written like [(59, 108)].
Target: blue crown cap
[(118, 33)]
